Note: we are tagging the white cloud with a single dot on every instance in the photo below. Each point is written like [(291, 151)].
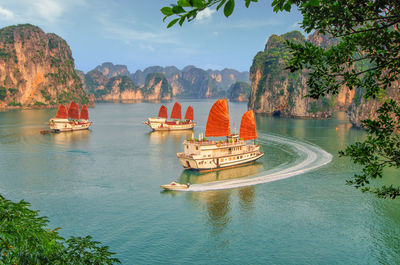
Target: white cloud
[(146, 47), (295, 25), (205, 16), (39, 12), (48, 9), (6, 14), (127, 32)]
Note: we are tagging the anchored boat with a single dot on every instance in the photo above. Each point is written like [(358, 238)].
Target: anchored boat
[(70, 120), (161, 123), (202, 154)]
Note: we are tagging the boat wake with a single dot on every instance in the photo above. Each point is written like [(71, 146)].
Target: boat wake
[(309, 157)]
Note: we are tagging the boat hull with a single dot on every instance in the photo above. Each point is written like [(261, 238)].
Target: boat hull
[(168, 126), (176, 186), (69, 126), (211, 164)]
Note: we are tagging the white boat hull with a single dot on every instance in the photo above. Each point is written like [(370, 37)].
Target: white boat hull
[(216, 163), (163, 125), (65, 125)]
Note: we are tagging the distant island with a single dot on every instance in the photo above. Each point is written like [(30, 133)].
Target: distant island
[(115, 82), (37, 70)]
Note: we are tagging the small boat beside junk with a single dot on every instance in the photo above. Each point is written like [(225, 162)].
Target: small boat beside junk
[(70, 120), (204, 155), (161, 123)]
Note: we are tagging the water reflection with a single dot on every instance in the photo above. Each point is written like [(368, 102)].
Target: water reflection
[(195, 177), (160, 137), (71, 138), (218, 203)]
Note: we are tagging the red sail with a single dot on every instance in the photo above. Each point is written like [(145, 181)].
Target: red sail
[(162, 113), (189, 113), (73, 111), (248, 126), (84, 113), (62, 112), (218, 120), (176, 111)]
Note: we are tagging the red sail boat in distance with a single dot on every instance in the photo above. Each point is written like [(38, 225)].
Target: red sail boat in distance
[(161, 123), (204, 155), (70, 120)]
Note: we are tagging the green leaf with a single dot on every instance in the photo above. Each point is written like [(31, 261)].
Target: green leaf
[(172, 22), (247, 3), (178, 9), (314, 2), (198, 3), (287, 7), (221, 4), (167, 11), (184, 3), (181, 21), (228, 8)]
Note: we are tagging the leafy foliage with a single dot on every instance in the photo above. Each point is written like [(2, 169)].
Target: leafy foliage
[(367, 35), (26, 239), (3, 93)]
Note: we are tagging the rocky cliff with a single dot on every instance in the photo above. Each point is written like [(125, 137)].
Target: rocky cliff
[(36, 69), (239, 91), (361, 109), (190, 82), (156, 87), (194, 82), (110, 70), (276, 91)]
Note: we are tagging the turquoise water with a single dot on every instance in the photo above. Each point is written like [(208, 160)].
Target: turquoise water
[(105, 182)]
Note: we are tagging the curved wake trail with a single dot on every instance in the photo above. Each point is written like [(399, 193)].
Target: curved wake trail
[(309, 157)]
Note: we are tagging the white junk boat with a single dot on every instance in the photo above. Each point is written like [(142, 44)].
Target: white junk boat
[(204, 155), (70, 120), (161, 123)]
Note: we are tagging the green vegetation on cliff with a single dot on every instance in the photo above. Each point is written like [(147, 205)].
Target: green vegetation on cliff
[(154, 79)]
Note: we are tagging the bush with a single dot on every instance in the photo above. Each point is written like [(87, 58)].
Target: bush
[(3, 93), (26, 239)]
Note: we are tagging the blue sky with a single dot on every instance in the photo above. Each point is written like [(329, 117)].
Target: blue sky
[(132, 32)]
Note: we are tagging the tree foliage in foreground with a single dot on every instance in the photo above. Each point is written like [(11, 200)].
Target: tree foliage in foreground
[(26, 239), (365, 56)]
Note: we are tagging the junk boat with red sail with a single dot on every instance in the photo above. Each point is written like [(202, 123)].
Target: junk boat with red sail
[(161, 123), (204, 155), (70, 120)]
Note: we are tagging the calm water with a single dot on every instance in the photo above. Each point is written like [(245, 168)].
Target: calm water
[(105, 182)]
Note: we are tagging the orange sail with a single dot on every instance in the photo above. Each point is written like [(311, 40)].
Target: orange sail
[(218, 120), (189, 113), (176, 111), (73, 111), (62, 112), (248, 126), (84, 113), (162, 113)]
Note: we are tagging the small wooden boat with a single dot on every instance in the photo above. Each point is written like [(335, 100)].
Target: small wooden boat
[(175, 186), (44, 131)]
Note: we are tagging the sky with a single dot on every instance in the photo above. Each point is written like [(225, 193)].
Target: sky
[(133, 33)]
